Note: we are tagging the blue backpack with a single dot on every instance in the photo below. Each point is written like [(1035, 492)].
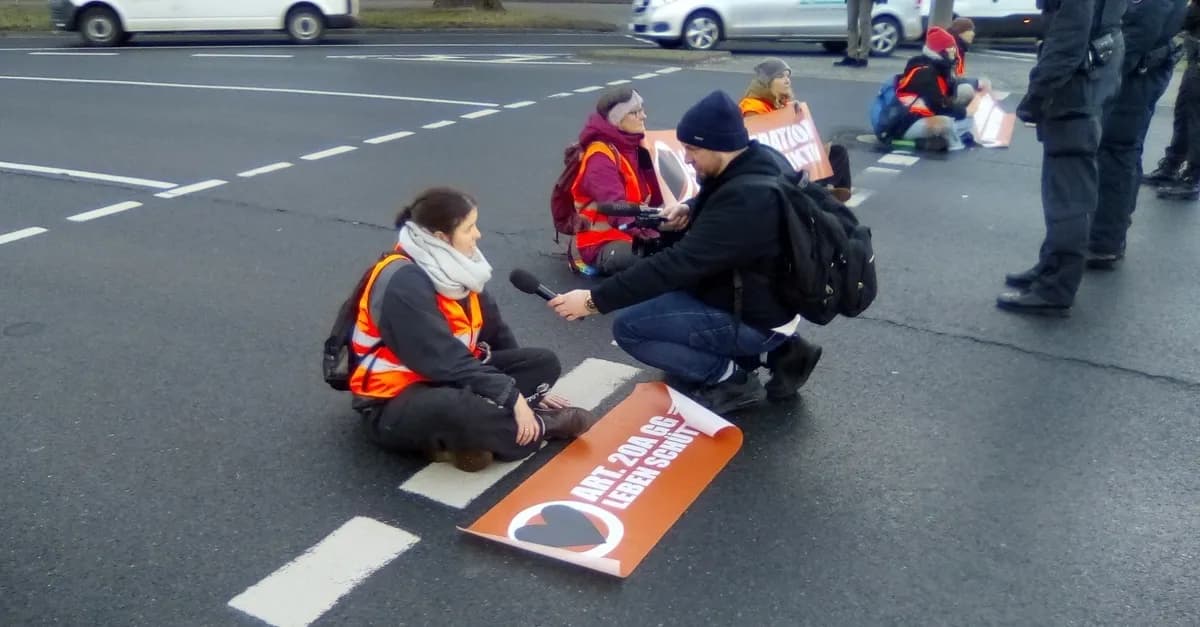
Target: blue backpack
[(886, 111)]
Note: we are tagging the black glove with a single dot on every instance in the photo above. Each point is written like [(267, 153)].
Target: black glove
[(1030, 109)]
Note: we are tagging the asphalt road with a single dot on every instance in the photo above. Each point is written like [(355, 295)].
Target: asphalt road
[(168, 443)]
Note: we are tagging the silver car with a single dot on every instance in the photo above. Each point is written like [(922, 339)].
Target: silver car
[(702, 24)]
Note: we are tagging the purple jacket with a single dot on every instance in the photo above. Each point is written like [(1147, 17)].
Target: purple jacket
[(601, 177)]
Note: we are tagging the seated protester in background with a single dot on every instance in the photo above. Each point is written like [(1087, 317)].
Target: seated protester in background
[(771, 90), (936, 102), (963, 30), (678, 311), (614, 168), (439, 371)]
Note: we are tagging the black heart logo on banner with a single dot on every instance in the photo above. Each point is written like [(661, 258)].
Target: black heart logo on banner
[(564, 526)]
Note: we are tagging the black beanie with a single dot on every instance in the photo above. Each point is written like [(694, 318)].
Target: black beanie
[(714, 123)]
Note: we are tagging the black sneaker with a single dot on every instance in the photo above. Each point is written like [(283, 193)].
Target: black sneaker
[(1187, 188), (791, 364), (1167, 173), (848, 62), (740, 391)]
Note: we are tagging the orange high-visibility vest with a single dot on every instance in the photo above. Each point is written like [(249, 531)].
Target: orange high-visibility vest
[(380, 374), (756, 106), (635, 191), (909, 99)]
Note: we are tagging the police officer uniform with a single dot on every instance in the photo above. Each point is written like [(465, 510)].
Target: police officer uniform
[(1077, 71), (1149, 27), (1185, 141)]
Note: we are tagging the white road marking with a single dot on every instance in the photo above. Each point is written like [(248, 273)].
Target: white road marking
[(859, 197), (274, 167), (94, 176), (878, 170), (305, 588), (561, 94), (669, 70), (104, 211), (589, 88), (898, 159), (323, 154), (220, 55), (475, 115), (442, 124), (189, 189), (619, 82), (642, 77), (511, 59), (269, 90), (327, 46), (74, 54), (22, 234), (586, 386), (519, 105), (383, 139)]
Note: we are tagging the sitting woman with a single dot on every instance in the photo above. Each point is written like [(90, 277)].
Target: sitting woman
[(614, 168), (771, 90), (934, 100), (438, 371)]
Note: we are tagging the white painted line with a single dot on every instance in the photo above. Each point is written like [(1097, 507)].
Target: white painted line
[(519, 105), (669, 70), (586, 386), (74, 54), (152, 49), (561, 94), (584, 90), (859, 197), (274, 167), (620, 82), (475, 115), (104, 211), (269, 90), (642, 77), (219, 55), (877, 170), (22, 234), (442, 124), (305, 588), (317, 156), (383, 139), (95, 176), (194, 187), (895, 159)]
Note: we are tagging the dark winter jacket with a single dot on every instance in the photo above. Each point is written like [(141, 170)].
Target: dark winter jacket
[(932, 81), (735, 225)]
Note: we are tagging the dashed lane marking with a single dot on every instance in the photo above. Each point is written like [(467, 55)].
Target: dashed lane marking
[(22, 234), (642, 77), (189, 189), (899, 159), (520, 105), (585, 386), (442, 124), (669, 70), (104, 211), (859, 197), (266, 169), (561, 94), (325, 154), (305, 588), (878, 170), (475, 115), (221, 55), (93, 176), (74, 54), (383, 139), (589, 88), (622, 81)]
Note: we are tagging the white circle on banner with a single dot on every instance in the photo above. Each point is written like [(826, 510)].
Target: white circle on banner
[(616, 530)]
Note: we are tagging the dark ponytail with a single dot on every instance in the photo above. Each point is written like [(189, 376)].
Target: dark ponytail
[(438, 209)]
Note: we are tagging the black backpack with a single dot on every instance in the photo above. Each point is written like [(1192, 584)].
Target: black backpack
[(827, 265), (338, 360)]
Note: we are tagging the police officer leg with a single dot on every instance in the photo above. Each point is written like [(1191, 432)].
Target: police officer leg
[(1119, 165), (1188, 186)]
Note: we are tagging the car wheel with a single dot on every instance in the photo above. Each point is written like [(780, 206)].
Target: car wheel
[(305, 25), (702, 30), (836, 47), (101, 27), (885, 35), (669, 44)]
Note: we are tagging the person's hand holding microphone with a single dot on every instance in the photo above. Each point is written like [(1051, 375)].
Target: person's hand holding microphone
[(574, 305)]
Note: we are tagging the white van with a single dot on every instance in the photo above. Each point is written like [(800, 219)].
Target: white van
[(998, 18), (112, 22)]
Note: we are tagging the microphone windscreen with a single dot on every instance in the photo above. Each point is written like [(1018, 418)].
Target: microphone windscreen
[(523, 281)]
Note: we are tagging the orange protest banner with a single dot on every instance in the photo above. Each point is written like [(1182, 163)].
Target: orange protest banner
[(607, 499), (790, 131), (993, 127)]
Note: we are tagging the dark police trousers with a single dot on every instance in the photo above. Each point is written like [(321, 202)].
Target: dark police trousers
[(1126, 121), (1070, 136), (427, 417), (1185, 140)]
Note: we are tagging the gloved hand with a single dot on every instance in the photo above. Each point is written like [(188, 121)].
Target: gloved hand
[(1031, 109)]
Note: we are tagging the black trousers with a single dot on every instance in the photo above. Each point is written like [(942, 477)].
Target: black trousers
[(1126, 122), (428, 417), (1185, 141), (839, 161)]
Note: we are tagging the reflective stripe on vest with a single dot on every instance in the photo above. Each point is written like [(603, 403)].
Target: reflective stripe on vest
[(380, 374), (909, 99), (634, 192)]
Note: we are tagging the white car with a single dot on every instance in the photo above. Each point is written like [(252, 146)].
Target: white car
[(998, 18), (702, 24), (111, 22)]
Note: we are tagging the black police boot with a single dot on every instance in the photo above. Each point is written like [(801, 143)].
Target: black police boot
[(1022, 280), (1167, 173), (1187, 188), (1102, 261), (1030, 303)]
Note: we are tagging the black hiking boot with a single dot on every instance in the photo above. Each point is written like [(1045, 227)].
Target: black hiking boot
[(739, 391), (791, 364), (1167, 173), (565, 423), (1187, 188)]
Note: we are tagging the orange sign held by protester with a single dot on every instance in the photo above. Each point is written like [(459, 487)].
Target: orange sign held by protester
[(607, 499), (790, 131), (993, 127)]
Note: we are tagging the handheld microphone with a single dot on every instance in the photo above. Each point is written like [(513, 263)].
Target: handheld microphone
[(529, 284)]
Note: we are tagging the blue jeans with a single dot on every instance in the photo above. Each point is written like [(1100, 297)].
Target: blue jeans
[(688, 339)]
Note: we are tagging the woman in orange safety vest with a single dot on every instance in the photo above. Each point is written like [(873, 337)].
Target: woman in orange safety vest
[(437, 369), (771, 90)]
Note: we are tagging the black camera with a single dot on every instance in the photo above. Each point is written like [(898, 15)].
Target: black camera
[(643, 218)]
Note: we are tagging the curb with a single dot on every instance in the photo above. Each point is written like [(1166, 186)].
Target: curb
[(681, 57)]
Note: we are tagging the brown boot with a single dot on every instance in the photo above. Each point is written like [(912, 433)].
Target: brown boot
[(566, 423), (843, 194), (466, 461)]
